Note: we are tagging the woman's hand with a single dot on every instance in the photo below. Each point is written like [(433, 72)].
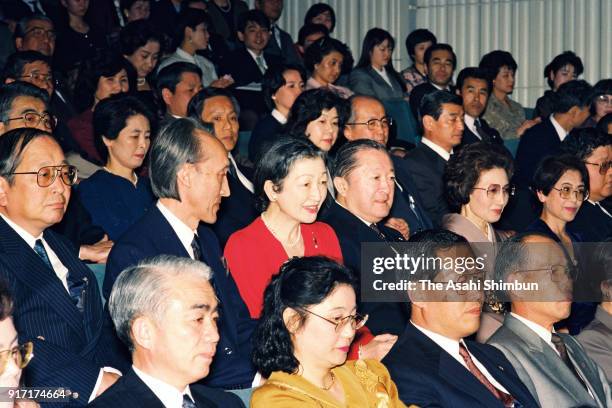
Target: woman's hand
[(378, 347), (400, 225), (526, 125)]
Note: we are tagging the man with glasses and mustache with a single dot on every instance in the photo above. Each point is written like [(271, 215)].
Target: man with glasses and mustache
[(433, 363), (554, 366), (57, 302)]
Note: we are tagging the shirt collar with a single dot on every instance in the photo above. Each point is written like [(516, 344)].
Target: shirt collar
[(355, 215), (167, 394), (25, 235), (254, 55), (279, 116), (184, 233), (438, 87), (439, 150), (185, 55), (449, 345), (470, 122), (539, 330), (560, 131)]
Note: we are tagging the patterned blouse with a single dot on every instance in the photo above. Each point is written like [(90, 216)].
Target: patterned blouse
[(503, 118), (413, 78)]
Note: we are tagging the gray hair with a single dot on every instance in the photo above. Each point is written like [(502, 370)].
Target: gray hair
[(22, 26), (12, 146), (144, 290), (346, 157), (175, 146)]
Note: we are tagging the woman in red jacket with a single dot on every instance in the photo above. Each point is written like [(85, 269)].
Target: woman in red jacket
[(290, 185)]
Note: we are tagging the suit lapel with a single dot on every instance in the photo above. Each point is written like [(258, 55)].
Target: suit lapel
[(36, 275), (576, 357), (379, 79), (167, 242), (141, 394)]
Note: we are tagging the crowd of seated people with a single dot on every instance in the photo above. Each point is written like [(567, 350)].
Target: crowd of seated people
[(187, 197)]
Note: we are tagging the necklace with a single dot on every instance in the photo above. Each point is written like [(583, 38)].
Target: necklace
[(289, 244), (331, 384)]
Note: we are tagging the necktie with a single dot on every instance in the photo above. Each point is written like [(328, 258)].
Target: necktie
[(378, 231), (187, 402), (76, 287), (261, 63), (232, 170), (506, 399), (197, 250), (557, 341), (276, 35), (481, 131)]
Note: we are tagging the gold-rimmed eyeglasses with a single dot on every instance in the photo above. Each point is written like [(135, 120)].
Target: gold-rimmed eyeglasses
[(33, 119), (21, 354), (558, 273), (566, 193), (45, 176), (357, 321), (494, 189), (603, 167), (372, 124)]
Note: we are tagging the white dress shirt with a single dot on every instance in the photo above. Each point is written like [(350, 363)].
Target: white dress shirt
[(383, 73), (241, 177), (451, 346), (167, 394), (470, 122), (560, 131), (441, 152), (182, 231), (542, 332), (209, 74)]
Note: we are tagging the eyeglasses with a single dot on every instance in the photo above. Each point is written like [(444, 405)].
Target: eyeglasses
[(604, 100), (566, 193), (494, 189), (372, 124), (603, 167), (45, 176), (33, 119), (35, 76), (20, 354), (357, 321), (41, 33), (558, 273)]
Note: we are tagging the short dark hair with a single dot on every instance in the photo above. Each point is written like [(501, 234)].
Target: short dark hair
[(582, 142), (323, 47), (309, 29), (274, 79), (438, 47), (465, 167), (90, 72), (560, 61), (309, 106), (346, 156), (12, 91), (494, 61), (189, 17), (573, 93), (137, 34), (127, 4), (475, 73), (22, 26), (317, 9), (431, 104), (277, 162), (420, 35), (6, 301), (301, 282), (12, 146), (252, 16), (175, 145), (604, 123), (197, 102), (16, 62), (428, 244), (602, 87), (110, 118), (552, 168), (169, 76)]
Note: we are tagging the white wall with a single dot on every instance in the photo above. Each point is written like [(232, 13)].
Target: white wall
[(534, 31)]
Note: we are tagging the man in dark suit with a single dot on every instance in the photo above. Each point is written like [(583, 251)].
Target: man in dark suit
[(432, 363), (153, 306), (57, 303), (368, 120), (219, 107), (441, 62), (363, 179), (554, 366), (442, 119), (188, 174), (281, 44), (474, 88)]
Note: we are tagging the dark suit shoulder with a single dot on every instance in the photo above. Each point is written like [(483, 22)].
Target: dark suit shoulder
[(220, 398)]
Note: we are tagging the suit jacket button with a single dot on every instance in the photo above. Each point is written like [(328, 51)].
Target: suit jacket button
[(228, 350), (500, 368)]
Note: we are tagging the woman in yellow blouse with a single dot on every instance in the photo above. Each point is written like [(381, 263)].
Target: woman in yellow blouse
[(301, 344)]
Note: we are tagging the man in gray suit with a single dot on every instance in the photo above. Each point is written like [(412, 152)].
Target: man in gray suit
[(554, 366)]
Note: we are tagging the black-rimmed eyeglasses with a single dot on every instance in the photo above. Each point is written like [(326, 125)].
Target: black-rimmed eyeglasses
[(45, 176)]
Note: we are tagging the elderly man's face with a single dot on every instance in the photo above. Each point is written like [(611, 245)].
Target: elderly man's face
[(271, 8), (184, 342), (366, 110), (367, 191), (447, 131), (23, 113), (207, 179), (219, 110), (38, 73), (39, 36), (32, 207)]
